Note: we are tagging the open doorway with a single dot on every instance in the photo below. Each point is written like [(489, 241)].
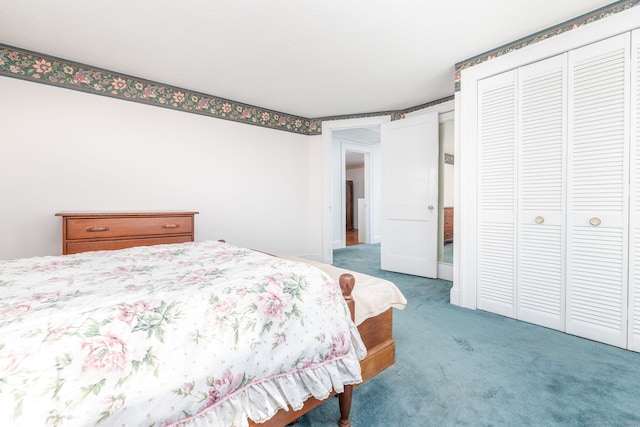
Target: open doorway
[(446, 190), (355, 199), (342, 136), (355, 178)]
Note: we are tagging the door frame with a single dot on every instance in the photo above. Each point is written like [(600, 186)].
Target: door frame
[(367, 152), (445, 269), (327, 168), (446, 113), (327, 174)]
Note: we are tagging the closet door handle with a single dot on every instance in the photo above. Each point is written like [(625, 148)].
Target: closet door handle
[(595, 221), (539, 220)]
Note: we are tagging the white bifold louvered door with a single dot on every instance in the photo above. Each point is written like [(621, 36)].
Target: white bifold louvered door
[(541, 174), (497, 194), (597, 190), (559, 192), (634, 218)]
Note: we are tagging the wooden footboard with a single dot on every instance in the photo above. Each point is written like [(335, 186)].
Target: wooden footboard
[(376, 334)]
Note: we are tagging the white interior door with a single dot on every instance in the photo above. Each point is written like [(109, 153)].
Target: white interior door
[(598, 154), (541, 195), (409, 194), (496, 280)]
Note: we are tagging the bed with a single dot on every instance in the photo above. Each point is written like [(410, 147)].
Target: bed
[(374, 301), (189, 334)]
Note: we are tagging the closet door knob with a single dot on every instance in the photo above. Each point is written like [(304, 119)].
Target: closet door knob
[(595, 221), (539, 219)]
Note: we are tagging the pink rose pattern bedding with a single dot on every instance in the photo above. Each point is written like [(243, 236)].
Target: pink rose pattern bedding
[(191, 334)]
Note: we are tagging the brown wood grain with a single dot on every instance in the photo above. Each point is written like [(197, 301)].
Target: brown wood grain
[(93, 231), (101, 245)]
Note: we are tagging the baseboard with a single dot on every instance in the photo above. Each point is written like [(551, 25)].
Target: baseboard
[(445, 271), (454, 296)]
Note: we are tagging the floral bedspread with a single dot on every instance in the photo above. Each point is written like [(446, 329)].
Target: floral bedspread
[(187, 334)]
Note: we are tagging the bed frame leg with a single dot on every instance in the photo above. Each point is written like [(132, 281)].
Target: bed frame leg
[(344, 399), (347, 282)]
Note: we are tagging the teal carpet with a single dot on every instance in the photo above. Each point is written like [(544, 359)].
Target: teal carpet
[(459, 367)]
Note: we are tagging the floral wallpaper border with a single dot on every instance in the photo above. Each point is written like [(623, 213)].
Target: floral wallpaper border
[(395, 114), (37, 67), (571, 24)]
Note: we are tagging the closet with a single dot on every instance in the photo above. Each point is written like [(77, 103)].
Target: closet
[(559, 192)]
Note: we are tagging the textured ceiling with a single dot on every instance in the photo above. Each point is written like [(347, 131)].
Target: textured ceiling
[(309, 58)]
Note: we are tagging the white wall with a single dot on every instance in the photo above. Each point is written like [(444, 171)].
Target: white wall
[(63, 150), (337, 186)]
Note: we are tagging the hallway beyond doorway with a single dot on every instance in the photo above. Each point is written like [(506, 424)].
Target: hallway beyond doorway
[(351, 238)]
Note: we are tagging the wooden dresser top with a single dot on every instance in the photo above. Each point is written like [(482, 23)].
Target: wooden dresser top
[(124, 213)]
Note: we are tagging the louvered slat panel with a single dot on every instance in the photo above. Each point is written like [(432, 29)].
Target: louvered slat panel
[(597, 189), (541, 192), (598, 109), (496, 194), (496, 277), (540, 271), (634, 221)]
